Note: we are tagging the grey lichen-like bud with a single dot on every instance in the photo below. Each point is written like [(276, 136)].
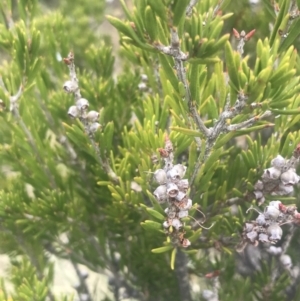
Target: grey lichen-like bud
[(180, 196), (274, 232), (271, 212), (278, 162), (274, 250), (173, 174), (259, 185), (171, 212), (271, 173), (286, 261), (185, 204), (176, 223), (181, 169), (160, 176), (283, 189), (160, 193), (275, 204), (73, 112), (94, 127), (82, 104), (262, 237), (172, 190), (261, 220), (183, 185), (289, 177), (70, 86), (183, 213), (252, 236), (248, 227), (258, 194), (92, 116)]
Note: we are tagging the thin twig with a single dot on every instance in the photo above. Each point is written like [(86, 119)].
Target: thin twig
[(179, 57), (247, 123), (190, 7), (82, 116)]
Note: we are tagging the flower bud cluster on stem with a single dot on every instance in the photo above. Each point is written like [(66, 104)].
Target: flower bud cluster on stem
[(89, 119), (173, 191), (279, 180)]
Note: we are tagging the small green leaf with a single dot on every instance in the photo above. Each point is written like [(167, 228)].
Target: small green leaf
[(162, 249), (151, 225), (186, 131), (155, 214), (173, 257), (231, 66), (179, 11)]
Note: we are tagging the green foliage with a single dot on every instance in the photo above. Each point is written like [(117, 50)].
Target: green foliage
[(60, 179)]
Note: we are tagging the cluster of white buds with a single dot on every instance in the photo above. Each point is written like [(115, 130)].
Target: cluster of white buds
[(80, 109), (279, 179), (266, 228), (173, 191), (143, 84)]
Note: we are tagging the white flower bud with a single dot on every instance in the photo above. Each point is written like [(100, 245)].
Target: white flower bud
[(289, 177), (171, 213), (261, 201), (271, 212), (144, 77), (252, 236), (82, 104), (278, 162), (185, 243), (274, 250), (176, 223), (92, 116), (283, 189), (183, 213), (73, 112), (248, 227), (183, 185), (259, 185), (286, 261), (160, 193), (173, 174), (180, 196), (261, 220), (271, 173), (262, 237), (142, 86), (275, 204), (258, 194), (166, 225), (172, 190), (160, 176), (94, 127), (185, 204), (70, 86), (274, 232), (181, 169)]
